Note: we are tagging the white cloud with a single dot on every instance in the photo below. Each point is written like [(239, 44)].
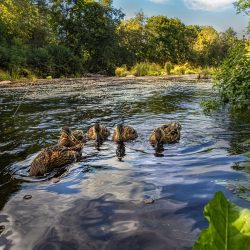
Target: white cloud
[(209, 5)]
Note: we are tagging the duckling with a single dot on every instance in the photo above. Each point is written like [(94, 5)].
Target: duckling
[(98, 132), (124, 133), (70, 139), (168, 133), (78, 135), (54, 157)]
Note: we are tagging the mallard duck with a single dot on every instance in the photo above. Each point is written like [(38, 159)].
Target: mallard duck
[(168, 133), (54, 157), (78, 135), (70, 139), (98, 132), (124, 133)]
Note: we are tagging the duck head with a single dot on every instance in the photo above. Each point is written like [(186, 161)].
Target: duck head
[(97, 129), (66, 130), (158, 138), (78, 135), (119, 130)]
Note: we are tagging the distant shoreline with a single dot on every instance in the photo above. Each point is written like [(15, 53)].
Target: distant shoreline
[(101, 79)]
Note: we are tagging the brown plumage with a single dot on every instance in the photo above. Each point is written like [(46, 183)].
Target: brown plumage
[(124, 133), (54, 157), (98, 132), (168, 133), (70, 139)]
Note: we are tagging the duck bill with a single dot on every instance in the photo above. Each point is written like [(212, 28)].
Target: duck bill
[(158, 145)]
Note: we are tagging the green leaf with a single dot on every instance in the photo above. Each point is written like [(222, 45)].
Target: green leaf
[(229, 226)]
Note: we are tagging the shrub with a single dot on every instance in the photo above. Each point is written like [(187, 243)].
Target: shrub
[(63, 61), (168, 66), (4, 75), (121, 71), (233, 78), (4, 57), (190, 71), (179, 70), (40, 61), (146, 69)]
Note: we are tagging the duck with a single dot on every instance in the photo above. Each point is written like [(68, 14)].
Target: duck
[(55, 156), (98, 133), (78, 135), (167, 133), (70, 138), (124, 133)]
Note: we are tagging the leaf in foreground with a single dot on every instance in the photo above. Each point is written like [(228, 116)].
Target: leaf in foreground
[(229, 226)]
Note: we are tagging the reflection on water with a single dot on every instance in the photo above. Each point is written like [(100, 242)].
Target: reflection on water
[(98, 202)]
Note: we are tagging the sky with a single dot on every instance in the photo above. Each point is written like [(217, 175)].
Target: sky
[(220, 14)]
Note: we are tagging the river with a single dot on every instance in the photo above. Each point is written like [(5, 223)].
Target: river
[(99, 202)]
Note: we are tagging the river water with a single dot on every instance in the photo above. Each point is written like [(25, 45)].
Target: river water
[(99, 202)]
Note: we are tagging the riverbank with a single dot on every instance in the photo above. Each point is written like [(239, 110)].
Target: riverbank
[(96, 79)]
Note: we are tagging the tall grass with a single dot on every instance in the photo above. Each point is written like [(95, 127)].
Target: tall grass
[(153, 69)]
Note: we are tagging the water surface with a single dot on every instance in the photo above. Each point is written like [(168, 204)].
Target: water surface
[(99, 202)]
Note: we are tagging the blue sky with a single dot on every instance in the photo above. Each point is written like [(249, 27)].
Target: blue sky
[(219, 13)]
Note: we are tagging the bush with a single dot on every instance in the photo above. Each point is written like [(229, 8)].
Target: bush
[(64, 62), (121, 71), (179, 70), (190, 71), (4, 75), (168, 66), (39, 60), (146, 69), (233, 78), (4, 57)]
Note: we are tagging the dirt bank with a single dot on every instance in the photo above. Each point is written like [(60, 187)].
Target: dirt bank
[(101, 80)]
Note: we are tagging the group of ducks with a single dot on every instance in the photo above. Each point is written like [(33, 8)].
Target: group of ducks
[(70, 144)]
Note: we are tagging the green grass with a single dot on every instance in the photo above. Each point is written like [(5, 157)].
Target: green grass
[(153, 69)]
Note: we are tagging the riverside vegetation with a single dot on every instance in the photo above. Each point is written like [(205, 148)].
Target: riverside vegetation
[(70, 38), (53, 39)]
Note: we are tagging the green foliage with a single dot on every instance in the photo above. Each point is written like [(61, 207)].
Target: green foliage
[(4, 75), (63, 61), (229, 226), (233, 78), (121, 71), (179, 70), (40, 61), (243, 6), (211, 104), (69, 38), (146, 69), (168, 66)]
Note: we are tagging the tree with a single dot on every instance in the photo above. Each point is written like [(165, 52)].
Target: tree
[(132, 39), (206, 46), (89, 29), (243, 6)]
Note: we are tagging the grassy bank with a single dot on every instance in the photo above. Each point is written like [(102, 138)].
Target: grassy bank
[(152, 69)]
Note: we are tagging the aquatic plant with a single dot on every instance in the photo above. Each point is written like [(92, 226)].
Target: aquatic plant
[(210, 104), (229, 226)]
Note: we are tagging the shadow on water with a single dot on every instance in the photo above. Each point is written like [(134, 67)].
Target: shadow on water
[(99, 202)]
